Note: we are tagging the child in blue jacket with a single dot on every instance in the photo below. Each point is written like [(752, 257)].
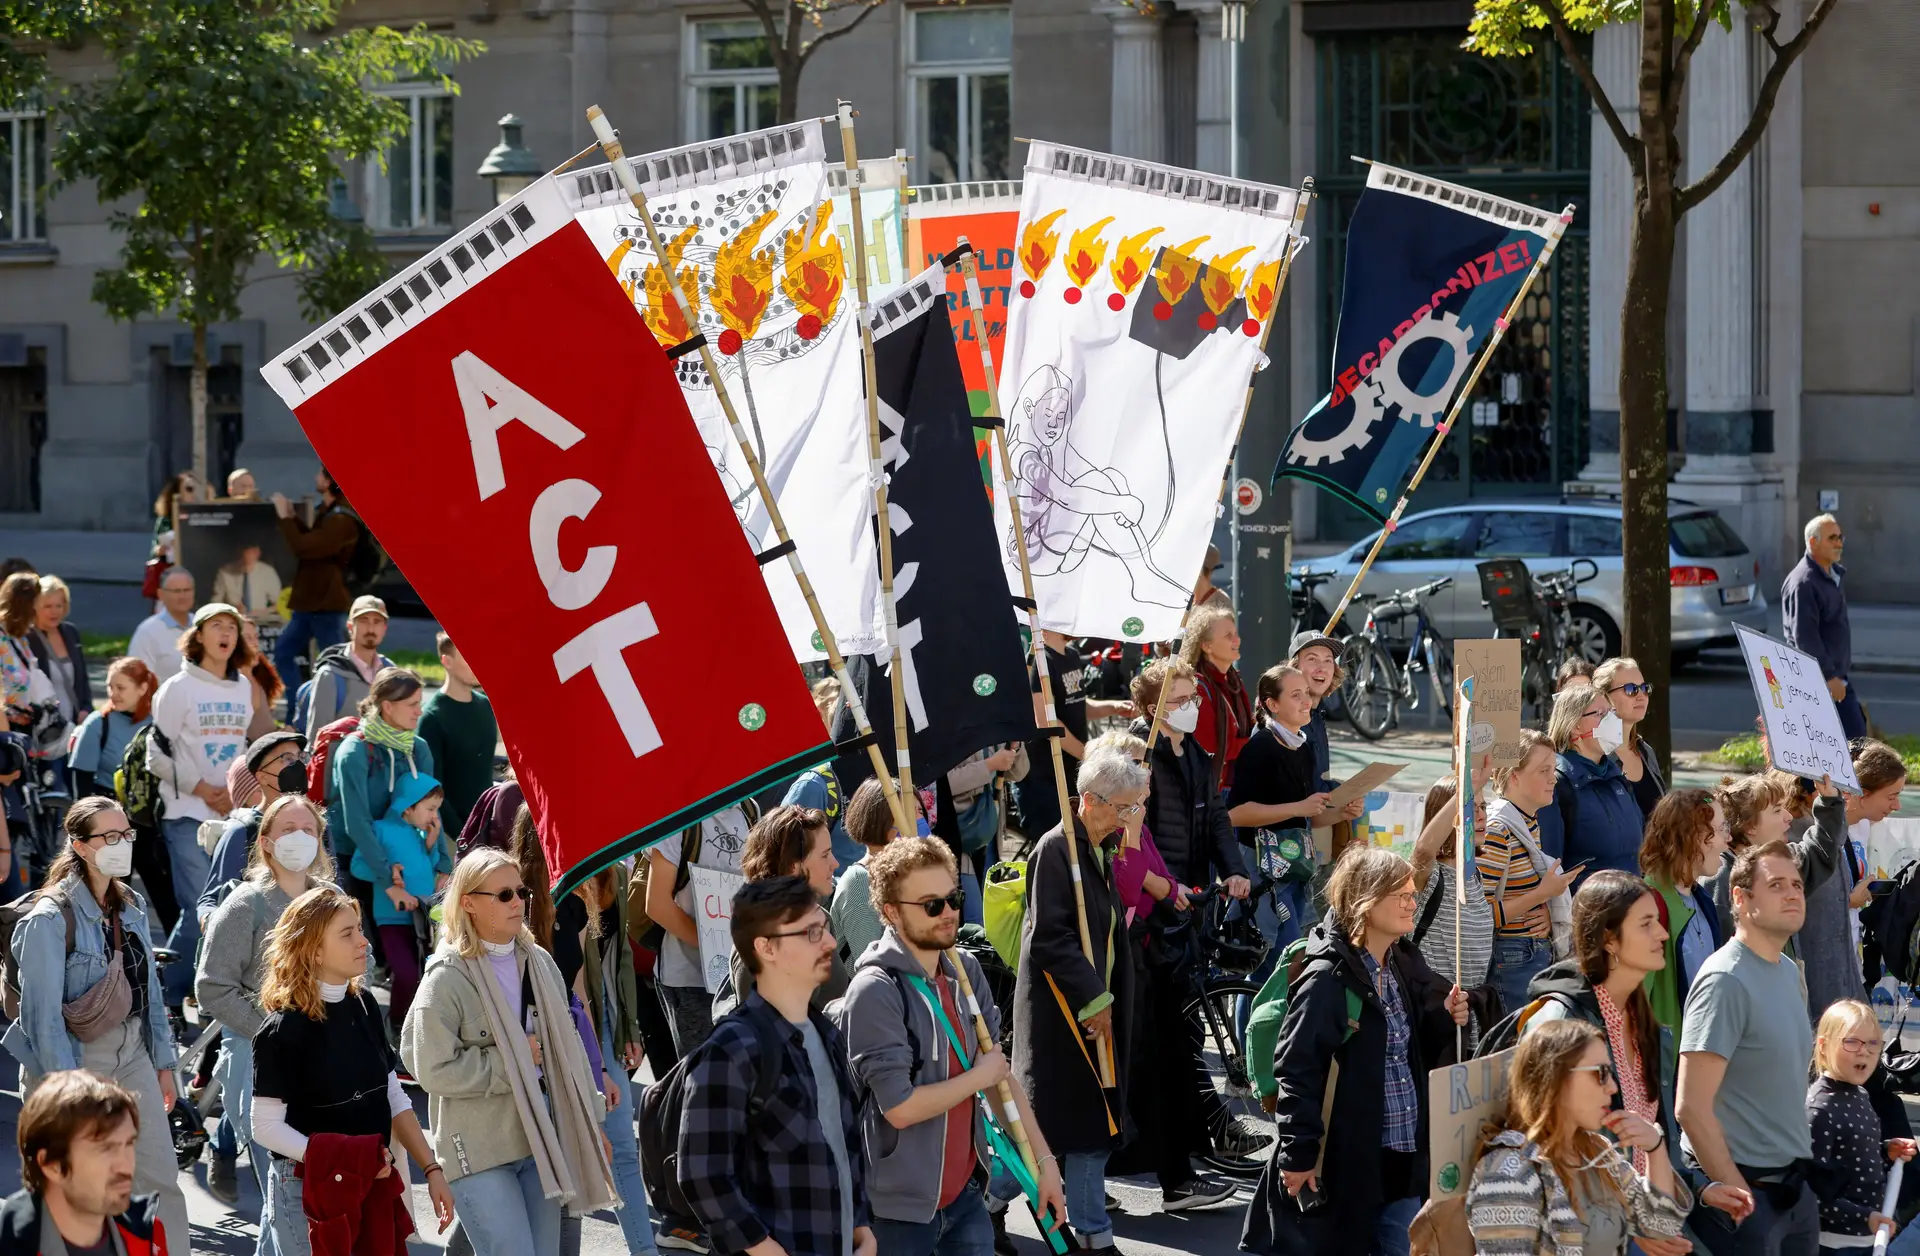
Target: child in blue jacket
[(408, 837)]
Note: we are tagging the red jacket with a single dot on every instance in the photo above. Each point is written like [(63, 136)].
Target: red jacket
[(350, 1211)]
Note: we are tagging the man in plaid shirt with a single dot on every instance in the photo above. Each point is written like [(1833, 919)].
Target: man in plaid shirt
[(788, 1182)]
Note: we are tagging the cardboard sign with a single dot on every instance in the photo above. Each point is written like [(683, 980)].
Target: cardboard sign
[(1494, 666), (713, 891), (1462, 1098), (1803, 729), (1366, 781)]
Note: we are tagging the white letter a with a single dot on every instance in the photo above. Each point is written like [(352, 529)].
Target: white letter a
[(491, 402)]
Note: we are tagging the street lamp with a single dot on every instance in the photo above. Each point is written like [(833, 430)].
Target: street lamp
[(509, 167), (1233, 31)]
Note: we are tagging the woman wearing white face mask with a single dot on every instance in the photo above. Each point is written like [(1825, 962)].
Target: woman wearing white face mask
[(1600, 821), (289, 859), (90, 995), (1185, 812), (1628, 692)]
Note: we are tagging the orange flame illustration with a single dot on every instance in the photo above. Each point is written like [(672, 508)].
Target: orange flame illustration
[(614, 259), (1177, 269), (1264, 290), (1037, 245), (1131, 257), (663, 312), (815, 268), (743, 279), (1085, 251), (1224, 280)]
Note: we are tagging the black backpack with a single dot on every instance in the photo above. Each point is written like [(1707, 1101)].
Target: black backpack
[(367, 562), (1890, 929), (663, 1110)]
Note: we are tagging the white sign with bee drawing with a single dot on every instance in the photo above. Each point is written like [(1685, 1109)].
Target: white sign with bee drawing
[(1803, 729)]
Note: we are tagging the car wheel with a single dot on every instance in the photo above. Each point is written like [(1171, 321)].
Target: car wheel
[(1592, 635)]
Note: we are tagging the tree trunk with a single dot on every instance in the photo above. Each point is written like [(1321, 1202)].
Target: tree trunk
[(197, 394), (788, 61)]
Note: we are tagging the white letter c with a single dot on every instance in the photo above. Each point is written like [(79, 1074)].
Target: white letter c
[(559, 502)]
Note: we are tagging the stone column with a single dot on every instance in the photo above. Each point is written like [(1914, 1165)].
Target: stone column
[(1139, 98), (1616, 63), (1213, 122)]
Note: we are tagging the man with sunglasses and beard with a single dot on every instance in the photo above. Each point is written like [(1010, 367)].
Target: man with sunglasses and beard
[(912, 1046)]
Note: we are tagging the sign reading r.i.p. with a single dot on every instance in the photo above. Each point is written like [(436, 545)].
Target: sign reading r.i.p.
[(1803, 729)]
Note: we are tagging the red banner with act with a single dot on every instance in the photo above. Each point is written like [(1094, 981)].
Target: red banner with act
[(501, 418)]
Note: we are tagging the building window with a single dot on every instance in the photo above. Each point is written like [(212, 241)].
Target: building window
[(415, 191), (23, 176), (731, 83), (959, 70)]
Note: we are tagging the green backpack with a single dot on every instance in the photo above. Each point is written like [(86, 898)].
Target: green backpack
[(1003, 907), (136, 785), (1270, 1013)]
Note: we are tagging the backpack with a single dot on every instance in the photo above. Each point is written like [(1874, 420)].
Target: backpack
[(663, 1111), (1430, 912), (321, 759), (1003, 907), (1270, 1013), (1506, 1032), (11, 914), (134, 783), (302, 714), (1890, 926), (367, 562)]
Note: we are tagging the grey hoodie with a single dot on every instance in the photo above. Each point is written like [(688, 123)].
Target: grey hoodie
[(904, 1167)]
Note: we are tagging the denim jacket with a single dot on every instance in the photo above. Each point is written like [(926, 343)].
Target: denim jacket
[(39, 1039)]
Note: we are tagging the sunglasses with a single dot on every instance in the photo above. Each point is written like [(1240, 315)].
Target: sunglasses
[(1633, 688), (1603, 1073), (934, 907), (520, 892)]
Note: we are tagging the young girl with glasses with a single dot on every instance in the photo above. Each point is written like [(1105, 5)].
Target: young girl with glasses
[(1848, 1141)]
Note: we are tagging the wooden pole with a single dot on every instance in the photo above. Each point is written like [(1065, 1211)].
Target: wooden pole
[(1500, 326), (876, 465), (1016, 1129), (610, 144), (1302, 200), (1054, 728)]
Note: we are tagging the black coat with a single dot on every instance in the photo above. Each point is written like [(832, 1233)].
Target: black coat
[(1310, 1041), (1068, 1102), (1187, 816), (43, 660)]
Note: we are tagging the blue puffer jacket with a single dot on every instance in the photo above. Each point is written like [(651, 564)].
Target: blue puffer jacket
[(1601, 820)]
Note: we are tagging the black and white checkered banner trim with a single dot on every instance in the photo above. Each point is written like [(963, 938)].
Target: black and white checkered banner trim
[(1468, 201), (677, 169), (907, 302), (1171, 182)]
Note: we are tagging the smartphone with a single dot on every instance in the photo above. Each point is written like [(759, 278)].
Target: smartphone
[(1877, 888)]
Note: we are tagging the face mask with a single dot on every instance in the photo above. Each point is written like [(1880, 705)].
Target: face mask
[(296, 851), (292, 778), (1184, 718), (115, 860), (1609, 732)]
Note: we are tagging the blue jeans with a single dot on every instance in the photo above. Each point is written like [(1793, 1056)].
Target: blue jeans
[(504, 1212), (636, 1222), (283, 1214), (1390, 1236), (962, 1228), (973, 911), (1516, 962), (322, 628), (189, 865), (1083, 1174), (1853, 722)]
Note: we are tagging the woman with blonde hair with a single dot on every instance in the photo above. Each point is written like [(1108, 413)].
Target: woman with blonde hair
[(1552, 1180), (1526, 887), (1629, 694), (1211, 648), (325, 1089), (1600, 821), (1848, 1140), (1349, 1168), (511, 1093), (288, 859)]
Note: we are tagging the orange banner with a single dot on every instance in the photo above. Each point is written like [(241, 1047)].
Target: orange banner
[(987, 214)]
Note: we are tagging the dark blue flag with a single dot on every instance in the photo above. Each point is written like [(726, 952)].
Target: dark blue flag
[(1431, 267)]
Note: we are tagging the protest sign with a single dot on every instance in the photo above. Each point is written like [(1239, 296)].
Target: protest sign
[(1494, 667), (987, 214), (236, 554), (1804, 736), (574, 535), (713, 891), (882, 188), (1461, 1098), (1392, 821), (1364, 782)]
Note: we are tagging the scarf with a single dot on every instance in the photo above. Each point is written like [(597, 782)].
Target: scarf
[(1626, 1067), (1288, 738), (567, 1147), (376, 731), (1232, 715)]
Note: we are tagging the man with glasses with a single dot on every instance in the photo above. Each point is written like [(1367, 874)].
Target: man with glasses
[(1813, 612), (912, 1046), (787, 1180)]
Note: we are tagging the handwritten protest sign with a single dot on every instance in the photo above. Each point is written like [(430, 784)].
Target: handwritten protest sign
[(713, 890), (1803, 730), (1461, 1098), (1494, 666)]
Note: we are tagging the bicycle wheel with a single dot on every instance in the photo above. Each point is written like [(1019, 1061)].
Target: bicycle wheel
[(1232, 1108), (1440, 671), (1371, 691)]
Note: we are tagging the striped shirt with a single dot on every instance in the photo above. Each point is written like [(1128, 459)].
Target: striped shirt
[(1502, 855), (1401, 1128)]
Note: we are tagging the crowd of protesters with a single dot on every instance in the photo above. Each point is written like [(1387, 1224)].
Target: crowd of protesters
[(332, 873)]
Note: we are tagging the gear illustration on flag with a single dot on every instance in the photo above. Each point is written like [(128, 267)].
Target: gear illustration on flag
[(1386, 387), (1305, 450)]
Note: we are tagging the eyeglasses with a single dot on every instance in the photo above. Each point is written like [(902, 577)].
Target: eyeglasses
[(505, 896), (1603, 1073), (812, 933), (1633, 688), (1406, 898), (111, 837), (1125, 811), (934, 907), (1857, 1046)]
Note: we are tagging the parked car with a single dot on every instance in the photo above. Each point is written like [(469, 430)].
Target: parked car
[(1714, 576)]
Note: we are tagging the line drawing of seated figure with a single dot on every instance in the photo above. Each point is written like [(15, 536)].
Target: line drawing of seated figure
[(739, 496), (1067, 504)]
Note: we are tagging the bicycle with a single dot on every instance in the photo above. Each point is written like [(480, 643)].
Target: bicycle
[(1377, 684), (1539, 611)]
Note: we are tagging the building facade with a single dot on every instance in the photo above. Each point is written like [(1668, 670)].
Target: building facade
[(1796, 314)]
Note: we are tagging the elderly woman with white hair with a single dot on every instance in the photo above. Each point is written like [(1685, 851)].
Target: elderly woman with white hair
[(1067, 1010)]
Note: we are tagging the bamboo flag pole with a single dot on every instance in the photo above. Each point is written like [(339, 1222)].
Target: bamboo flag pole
[(876, 465), (1301, 201), (1016, 1128), (1055, 729), (609, 142), (1462, 837), (1500, 326)]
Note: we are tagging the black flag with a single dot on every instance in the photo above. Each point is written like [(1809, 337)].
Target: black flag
[(966, 671)]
